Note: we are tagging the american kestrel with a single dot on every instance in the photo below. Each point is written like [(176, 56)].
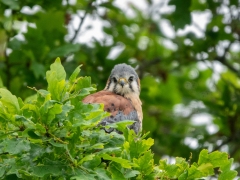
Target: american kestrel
[(120, 97)]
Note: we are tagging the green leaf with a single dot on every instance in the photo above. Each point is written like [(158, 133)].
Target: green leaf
[(11, 164), (198, 5), (40, 128), (102, 174), (124, 162), (55, 19), (131, 173), (15, 146), (121, 125), (38, 69), (12, 4), (193, 172), (95, 115), (58, 68), (115, 171), (42, 170), (139, 147), (110, 150), (183, 176), (91, 164), (216, 158), (56, 80), (31, 134), (74, 75), (64, 50), (98, 146), (162, 164), (27, 123), (228, 175), (2, 170), (4, 114), (1, 83), (80, 175), (83, 82), (66, 109), (145, 163), (182, 163), (57, 144), (206, 169), (49, 111), (172, 170), (87, 158), (9, 101), (181, 16)]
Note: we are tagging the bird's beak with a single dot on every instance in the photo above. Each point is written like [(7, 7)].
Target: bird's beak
[(122, 81)]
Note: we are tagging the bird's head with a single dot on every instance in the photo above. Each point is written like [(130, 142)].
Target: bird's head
[(123, 80)]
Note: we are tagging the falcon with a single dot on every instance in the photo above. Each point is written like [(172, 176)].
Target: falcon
[(120, 97)]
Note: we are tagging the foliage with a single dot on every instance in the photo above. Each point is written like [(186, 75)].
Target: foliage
[(55, 135), (186, 54)]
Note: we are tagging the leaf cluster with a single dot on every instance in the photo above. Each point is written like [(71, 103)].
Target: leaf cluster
[(53, 135)]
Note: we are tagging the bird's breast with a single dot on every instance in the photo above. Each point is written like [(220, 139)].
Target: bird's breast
[(113, 103), (121, 108)]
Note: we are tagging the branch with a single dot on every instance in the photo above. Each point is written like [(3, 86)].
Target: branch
[(198, 27), (222, 59), (233, 69), (228, 140), (234, 150), (81, 22), (142, 67)]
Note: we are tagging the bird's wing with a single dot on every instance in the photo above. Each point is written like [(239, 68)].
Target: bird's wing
[(119, 107)]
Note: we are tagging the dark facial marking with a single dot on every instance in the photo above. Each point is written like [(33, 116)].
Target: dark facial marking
[(130, 86), (130, 79), (110, 81), (114, 79)]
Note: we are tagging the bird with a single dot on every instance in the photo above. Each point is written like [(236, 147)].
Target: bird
[(120, 97)]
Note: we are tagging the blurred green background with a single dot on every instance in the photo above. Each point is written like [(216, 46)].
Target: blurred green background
[(185, 52)]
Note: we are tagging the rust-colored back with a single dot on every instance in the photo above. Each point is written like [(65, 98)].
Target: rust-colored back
[(113, 103)]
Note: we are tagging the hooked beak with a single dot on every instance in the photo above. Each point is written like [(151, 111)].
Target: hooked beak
[(122, 81)]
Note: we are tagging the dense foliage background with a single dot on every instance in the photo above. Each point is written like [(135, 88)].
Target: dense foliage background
[(189, 81), (54, 135)]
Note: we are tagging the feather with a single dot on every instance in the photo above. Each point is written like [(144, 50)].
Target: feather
[(120, 108), (121, 97)]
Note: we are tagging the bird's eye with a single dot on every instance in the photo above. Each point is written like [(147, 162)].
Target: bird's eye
[(114, 79), (130, 79)]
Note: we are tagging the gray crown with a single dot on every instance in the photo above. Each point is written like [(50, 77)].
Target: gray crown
[(123, 69)]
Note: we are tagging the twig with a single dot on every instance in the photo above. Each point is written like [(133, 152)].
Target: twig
[(222, 59), (229, 66), (228, 140), (81, 22), (146, 64), (198, 27), (234, 151)]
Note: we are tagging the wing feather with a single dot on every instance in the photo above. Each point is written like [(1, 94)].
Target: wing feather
[(120, 108)]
